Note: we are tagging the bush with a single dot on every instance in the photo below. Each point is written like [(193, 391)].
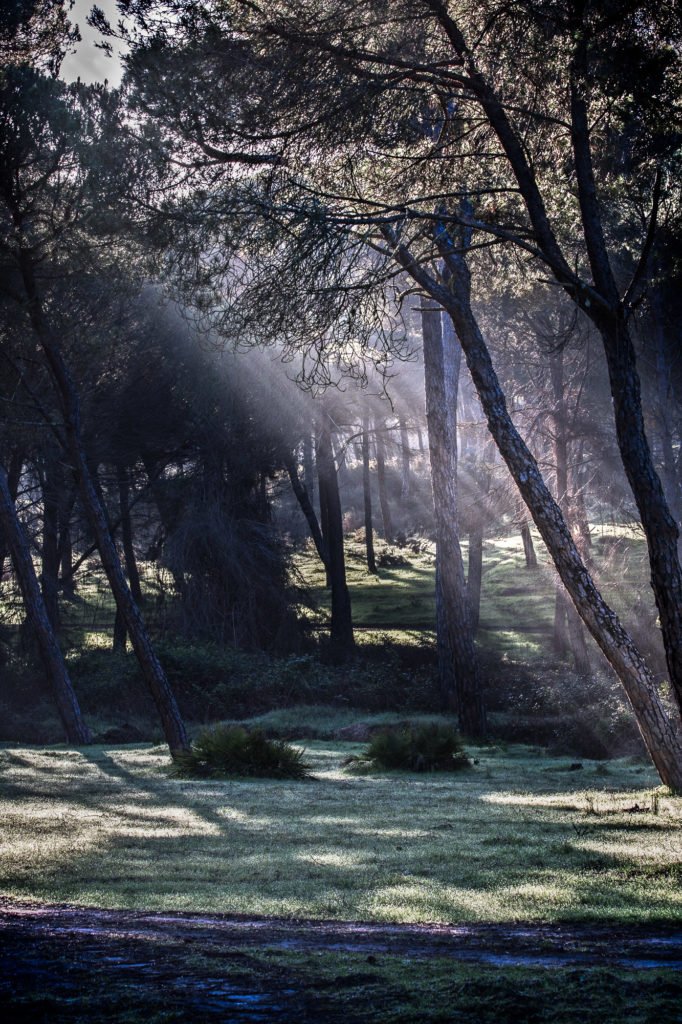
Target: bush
[(231, 750), (424, 748)]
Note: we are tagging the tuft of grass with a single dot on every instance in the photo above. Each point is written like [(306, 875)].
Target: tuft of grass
[(421, 748), (231, 750)]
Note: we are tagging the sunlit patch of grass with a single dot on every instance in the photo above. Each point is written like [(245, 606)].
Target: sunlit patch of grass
[(508, 840), (517, 604)]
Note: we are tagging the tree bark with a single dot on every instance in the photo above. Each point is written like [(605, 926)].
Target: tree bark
[(381, 481), (475, 575), (302, 496), (132, 571), (441, 374), (49, 571), (341, 624), (66, 569), (568, 634), (661, 735), (405, 456), (155, 677), (324, 510), (584, 536), (367, 498), (309, 467), (664, 400), (55, 668), (528, 546), (14, 469)]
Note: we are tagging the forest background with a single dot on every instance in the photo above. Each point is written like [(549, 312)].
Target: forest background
[(388, 285)]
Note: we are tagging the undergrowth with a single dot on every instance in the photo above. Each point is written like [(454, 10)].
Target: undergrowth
[(421, 748), (231, 750)]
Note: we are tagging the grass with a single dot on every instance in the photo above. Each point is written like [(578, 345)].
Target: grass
[(519, 837), (517, 604)]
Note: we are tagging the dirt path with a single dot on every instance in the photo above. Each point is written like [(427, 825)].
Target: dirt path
[(210, 964), (538, 944)]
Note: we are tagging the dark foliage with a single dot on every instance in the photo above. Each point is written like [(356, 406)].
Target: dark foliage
[(424, 748), (231, 750)]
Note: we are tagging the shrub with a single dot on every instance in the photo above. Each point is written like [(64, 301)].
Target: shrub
[(231, 750), (424, 748)]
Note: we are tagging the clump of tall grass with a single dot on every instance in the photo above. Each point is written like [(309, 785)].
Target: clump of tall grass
[(232, 750), (421, 748)]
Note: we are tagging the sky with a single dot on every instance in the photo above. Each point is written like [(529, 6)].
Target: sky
[(88, 63)]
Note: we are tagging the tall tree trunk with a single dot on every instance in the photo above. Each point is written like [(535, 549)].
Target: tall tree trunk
[(14, 469), (324, 509), (475, 574), (342, 624), (442, 356), (155, 677), (381, 480), (661, 735), (584, 535), (50, 479), (168, 520), (528, 546), (405, 458), (447, 683), (664, 400), (53, 660), (65, 554), (132, 571), (303, 497), (309, 467), (120, 633), (367, 498)]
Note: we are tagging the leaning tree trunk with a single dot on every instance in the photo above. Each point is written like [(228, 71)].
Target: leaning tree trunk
[(381, 481), (133, 573), (611, 319), (441, 374), (303, 497), (367, 498), (36, 612), (342, 623), (601, 302), (155, 677), (661, 735)]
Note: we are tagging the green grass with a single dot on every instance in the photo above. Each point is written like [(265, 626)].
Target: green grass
[(517, 604), (518, 837)]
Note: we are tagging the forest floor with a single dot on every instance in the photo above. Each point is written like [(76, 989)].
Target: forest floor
[(563, 880), (62, 963)]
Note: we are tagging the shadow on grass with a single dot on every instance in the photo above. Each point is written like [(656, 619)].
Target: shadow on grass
[(118, 832)]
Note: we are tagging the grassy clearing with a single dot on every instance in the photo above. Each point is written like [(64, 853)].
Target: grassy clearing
[(517, 604), (518, 837)]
